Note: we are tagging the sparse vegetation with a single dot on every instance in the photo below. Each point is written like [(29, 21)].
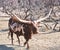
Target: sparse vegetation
[(49, 36)]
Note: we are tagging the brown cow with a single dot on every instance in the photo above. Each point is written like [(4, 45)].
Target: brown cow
[(28, 28)]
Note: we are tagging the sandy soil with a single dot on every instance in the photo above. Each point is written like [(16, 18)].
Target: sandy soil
[(46, 41)]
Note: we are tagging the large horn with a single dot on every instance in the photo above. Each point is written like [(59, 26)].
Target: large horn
[(41, 19), (15, 18)]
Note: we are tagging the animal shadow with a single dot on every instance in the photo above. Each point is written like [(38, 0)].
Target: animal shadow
[(4, 47)]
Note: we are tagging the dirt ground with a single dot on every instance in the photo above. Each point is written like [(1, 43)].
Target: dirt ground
[(46, 41)]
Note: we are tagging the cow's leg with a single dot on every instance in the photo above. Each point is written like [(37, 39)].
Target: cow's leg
[(8, 34), (18, 39), (27, 43), (12, 38), (27, 36)]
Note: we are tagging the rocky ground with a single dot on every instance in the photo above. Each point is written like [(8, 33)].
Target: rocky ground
[(41, 41)]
